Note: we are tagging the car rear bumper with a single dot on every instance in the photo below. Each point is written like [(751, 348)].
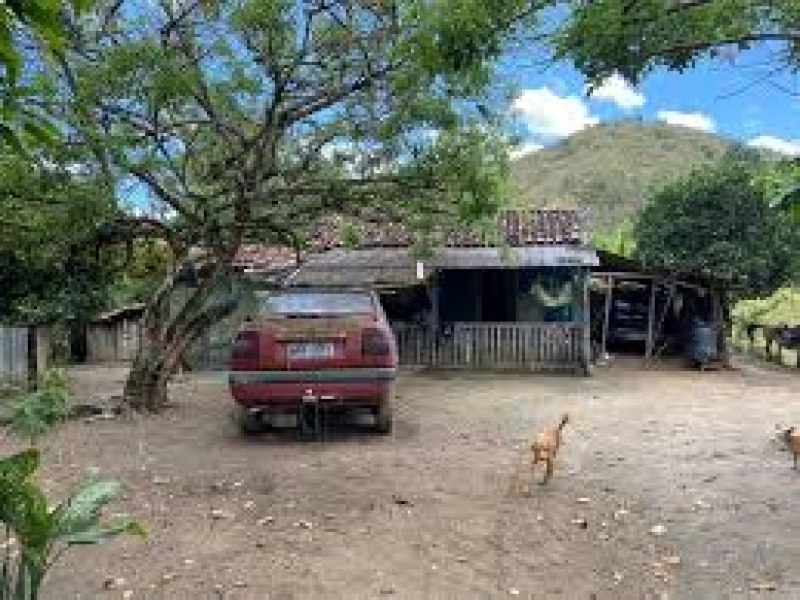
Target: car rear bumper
[(283, 390)]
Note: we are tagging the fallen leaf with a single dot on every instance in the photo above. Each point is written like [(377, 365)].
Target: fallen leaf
[(764, 586)]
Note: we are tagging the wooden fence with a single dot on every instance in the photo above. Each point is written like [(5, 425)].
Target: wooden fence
[(480, 346), (528, 346), (14, 355)]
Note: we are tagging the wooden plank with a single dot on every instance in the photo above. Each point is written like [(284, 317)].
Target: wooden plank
[(586, 354), (14, 355), (650, 321), (607, 315)]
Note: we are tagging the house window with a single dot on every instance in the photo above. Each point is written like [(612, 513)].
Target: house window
[(547, 295)]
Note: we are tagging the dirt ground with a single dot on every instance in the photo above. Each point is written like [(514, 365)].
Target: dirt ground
[(427, 513)]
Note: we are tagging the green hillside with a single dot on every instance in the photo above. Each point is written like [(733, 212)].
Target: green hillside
[(610, 167)]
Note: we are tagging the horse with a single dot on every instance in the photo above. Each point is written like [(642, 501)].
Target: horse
[(782, 336)]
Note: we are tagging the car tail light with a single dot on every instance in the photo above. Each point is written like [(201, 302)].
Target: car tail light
[(245, 345), (375, 342)]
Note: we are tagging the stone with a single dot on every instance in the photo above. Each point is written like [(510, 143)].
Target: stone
[(582, 523), (127, 594), (265, 520), (513, 591), (113, 583), (583, 500), (218, 514), (249, 504), (672, 561), (658, 530)]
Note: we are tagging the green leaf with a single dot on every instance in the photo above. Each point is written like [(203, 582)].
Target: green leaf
[(99, 534), (21, 465), (81, 511), (10, 138)]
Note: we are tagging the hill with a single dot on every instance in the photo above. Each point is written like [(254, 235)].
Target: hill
[(611, 167)]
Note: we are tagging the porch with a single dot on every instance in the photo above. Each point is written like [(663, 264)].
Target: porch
[(493, 346), (531, 318)]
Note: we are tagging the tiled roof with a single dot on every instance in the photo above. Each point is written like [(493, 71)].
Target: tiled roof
[(516, 228), (258, 257)]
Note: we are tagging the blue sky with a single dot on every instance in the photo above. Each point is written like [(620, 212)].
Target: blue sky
[(733, 98)]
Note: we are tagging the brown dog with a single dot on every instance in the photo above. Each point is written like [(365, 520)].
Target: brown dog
[(545, 447), (792, 438)]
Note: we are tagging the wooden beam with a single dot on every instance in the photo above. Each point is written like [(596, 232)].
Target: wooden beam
[(648, 352), (607, 314), (660, 326), (646, 277), (433, 296), (587, 323)]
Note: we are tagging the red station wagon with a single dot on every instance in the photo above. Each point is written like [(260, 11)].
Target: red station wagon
[(314, 348)]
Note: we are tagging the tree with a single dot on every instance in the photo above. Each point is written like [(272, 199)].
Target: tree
[(604, 37), (26, 26), (50, 268), (250, 120), (716, 223)]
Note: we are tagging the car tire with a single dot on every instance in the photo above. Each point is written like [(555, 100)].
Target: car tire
[(250, 423), (384, 413)]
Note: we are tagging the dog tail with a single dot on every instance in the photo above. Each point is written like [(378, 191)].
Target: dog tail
[(564, 421)]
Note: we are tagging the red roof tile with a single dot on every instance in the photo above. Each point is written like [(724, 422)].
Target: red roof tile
[(518, 228)]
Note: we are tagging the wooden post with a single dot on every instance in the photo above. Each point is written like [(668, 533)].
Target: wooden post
[(648, 352), (722, 300), (586, 316), (607, 314), (42, 350), (433, 296)]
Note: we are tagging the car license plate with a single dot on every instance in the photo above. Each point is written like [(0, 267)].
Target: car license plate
[(311, 350)]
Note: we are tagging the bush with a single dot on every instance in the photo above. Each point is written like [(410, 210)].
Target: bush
[(33, 414), (41, 535), (715, 223)]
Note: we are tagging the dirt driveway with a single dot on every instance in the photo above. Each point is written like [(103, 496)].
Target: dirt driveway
[(426, 513)]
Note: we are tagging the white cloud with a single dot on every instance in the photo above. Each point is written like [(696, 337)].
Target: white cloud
[(617, 90), (524, 150), (551, 116), (776, 144), (694, 120)]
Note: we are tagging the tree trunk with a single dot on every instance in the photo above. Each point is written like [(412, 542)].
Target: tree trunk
[(170, 328)]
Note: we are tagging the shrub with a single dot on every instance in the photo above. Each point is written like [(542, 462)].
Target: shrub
[(41, 535), (33, 414)]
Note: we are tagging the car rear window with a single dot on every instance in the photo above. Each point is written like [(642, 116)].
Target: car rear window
[(317, 303)]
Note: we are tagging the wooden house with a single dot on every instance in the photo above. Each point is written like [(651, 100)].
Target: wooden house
[(113, 336), (515, 296)]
